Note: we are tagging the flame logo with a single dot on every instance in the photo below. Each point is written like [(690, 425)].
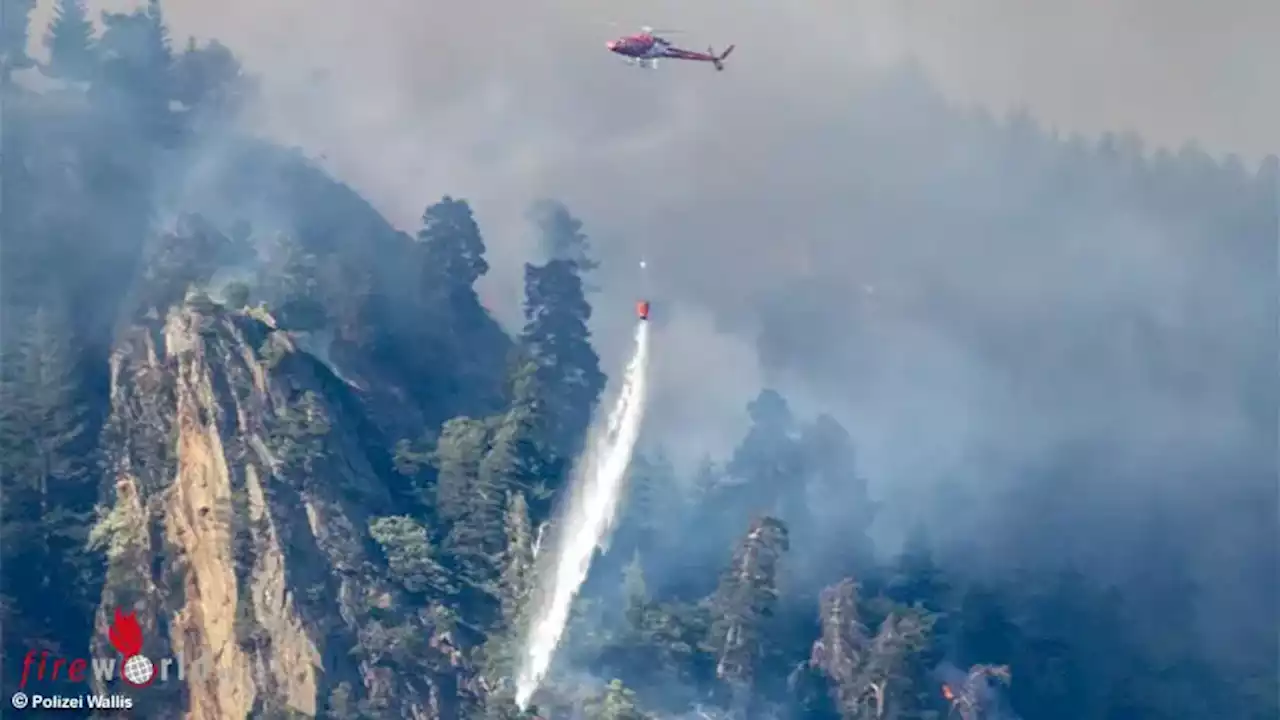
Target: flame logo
[(125, 634)]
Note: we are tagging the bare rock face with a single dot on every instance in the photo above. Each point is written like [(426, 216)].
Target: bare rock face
[(237, 530)]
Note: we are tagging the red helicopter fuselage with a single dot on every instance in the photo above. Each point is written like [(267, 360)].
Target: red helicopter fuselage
[(636, 46), (648, 48)]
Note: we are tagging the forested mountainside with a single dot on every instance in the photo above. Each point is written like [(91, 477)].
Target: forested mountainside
[(238, 401)]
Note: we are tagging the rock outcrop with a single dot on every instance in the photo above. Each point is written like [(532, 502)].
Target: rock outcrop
[(237, 529)]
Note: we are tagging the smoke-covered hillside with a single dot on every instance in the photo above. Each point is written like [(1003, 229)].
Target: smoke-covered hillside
[(1004, 447)]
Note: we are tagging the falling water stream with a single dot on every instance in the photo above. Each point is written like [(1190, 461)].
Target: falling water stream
[(597, 486)]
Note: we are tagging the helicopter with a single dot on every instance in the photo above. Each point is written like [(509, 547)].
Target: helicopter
[(645, 48)]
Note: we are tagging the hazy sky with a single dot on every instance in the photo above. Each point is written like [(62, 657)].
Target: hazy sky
[(1173, 69), (717, 176)]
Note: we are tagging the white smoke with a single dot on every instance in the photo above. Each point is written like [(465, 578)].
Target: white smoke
[(317, 344), (597, 486)]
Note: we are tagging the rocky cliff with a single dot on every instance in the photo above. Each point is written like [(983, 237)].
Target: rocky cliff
[(236, 524)]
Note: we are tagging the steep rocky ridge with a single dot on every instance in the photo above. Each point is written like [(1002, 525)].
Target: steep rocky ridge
[(239, 500)]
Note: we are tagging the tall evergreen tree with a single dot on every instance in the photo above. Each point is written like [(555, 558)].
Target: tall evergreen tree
[(652, 507), (293, 277), (617, 703), (450, 328), (839, 652), (471, 499), (517, 568), (410, 555), (556, 336), (179, 260), (835, 507), (917, 578), (209, 81), (70, 42), (517, 450), (768, 465), (453, 253), (502, 649), (49, 486), (13, 36), (744, 604), (138, 72)]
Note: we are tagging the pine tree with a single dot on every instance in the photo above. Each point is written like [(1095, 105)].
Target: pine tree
[(871, 675), (557, 338), (516, 451), (475, 462), (70, 42), (705, 530), (768, 465), (471, 499), (410, 556), (835, 508), (179, 260), (502, 648), (49, 486), (457, 456), (653, 502), (840, 650), (453, 253), (744, 605), (917, 577), (209, 80), (14, 27), (451, 329), (517, 570), (293, 275), (617, 703), (138, 71)]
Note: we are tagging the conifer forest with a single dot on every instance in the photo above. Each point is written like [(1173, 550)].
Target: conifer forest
[(298, 439)]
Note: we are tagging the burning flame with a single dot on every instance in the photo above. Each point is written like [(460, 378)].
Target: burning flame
[(125, 634)]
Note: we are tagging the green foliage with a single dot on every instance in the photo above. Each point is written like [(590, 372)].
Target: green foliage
[(137, 67), (13, 36), (557, 339), (273, 351), (457, 458), (453, 248), (518, 560), (299, 434), (470, 499), (744, 604), (829, 462), (342, 704), (618, 702), (412, 457), (178, 260), (71, 43), (655, 508), (209, 81), (237, 295), (407, 546), (769, 461), (293, 276), (46, 476)]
